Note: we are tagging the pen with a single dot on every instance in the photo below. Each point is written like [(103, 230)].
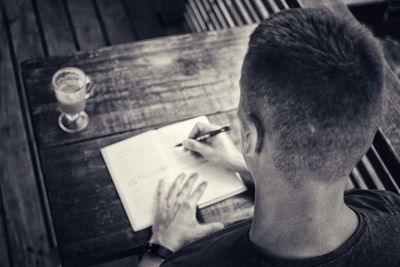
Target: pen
[(207, 135)]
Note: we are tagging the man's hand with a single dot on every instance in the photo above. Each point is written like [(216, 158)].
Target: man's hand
[(175, 222), (218, 149)]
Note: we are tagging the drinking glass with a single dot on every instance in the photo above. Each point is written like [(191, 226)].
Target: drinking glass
[(72, 87)]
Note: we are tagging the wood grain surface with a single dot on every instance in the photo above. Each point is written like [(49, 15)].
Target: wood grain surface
[(143, 84), (86, 24), (26, 231), (56, 29), (90, 220), (147, 23), (118, 28), (4, 248)]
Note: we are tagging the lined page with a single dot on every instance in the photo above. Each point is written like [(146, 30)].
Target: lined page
[(136, 166), (222, 183)]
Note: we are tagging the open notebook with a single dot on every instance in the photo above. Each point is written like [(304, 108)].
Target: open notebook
[(137, 164)]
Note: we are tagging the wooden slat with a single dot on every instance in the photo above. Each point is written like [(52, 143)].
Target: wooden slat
[(26, 231), (194, 21), (4, 247), (209, 10), (284, 4), (157, 79), (382, 171), (146, 21), (190, 23), (234, 14), (218, 14), (56, 30), (358, 179), (204, 15), (372, 173), (251, 10), (86, 24), (274, 7), (118, 28), (225, 14), (260, 8), (195, 13), (353, 181), (388, 155), (24, 29), (26, 44), (243, 12), (349, 184)]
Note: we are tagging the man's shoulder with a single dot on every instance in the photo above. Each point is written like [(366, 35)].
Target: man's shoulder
[(379, 201), (213, 248)]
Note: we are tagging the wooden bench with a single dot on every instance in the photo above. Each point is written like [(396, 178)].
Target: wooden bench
[(209, 15)]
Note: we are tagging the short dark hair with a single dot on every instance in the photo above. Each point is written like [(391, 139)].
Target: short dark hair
[(316, 82)]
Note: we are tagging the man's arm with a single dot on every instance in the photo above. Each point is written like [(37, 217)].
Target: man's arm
[(175, 223), (220, 150)]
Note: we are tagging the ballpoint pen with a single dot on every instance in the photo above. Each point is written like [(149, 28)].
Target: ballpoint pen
[(205, 136)]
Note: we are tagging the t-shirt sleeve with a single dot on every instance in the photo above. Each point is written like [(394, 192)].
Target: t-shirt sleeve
[(380, 200)]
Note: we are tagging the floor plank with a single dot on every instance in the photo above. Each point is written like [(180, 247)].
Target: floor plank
[(119, 29), (131, 261), (24, 29), (86, 25), (56, 30), (4, 248), (26, 230), (146, 22)]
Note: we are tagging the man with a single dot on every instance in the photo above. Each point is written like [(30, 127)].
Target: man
[(312, 92)]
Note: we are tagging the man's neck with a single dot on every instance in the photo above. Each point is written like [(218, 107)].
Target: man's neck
[(302, 222)]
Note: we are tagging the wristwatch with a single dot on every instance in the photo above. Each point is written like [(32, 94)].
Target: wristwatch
[(158, 250)]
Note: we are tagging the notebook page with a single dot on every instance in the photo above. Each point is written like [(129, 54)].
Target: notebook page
[(136, 165), (222, 183)]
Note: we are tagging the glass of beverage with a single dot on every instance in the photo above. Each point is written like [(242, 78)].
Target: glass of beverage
[(72, 87)]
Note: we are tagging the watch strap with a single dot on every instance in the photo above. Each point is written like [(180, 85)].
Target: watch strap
[(158, 250)]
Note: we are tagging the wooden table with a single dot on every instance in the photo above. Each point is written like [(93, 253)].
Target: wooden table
[(138, 87)]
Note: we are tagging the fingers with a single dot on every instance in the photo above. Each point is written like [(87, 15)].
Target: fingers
[(196, 146), (161, 195), (202, 127), (182, 197), (161, 190), (187, 187), (174, 189), (198, 193)]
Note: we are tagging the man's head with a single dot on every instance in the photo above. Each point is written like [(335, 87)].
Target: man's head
[(312, 85)]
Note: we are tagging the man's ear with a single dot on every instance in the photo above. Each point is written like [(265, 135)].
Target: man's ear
[(254, 136)]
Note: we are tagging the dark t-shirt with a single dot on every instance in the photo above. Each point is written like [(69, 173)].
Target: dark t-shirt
[(376, 241)]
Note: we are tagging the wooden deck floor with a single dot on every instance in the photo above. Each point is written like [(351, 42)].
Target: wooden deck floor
[(42, 28)]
